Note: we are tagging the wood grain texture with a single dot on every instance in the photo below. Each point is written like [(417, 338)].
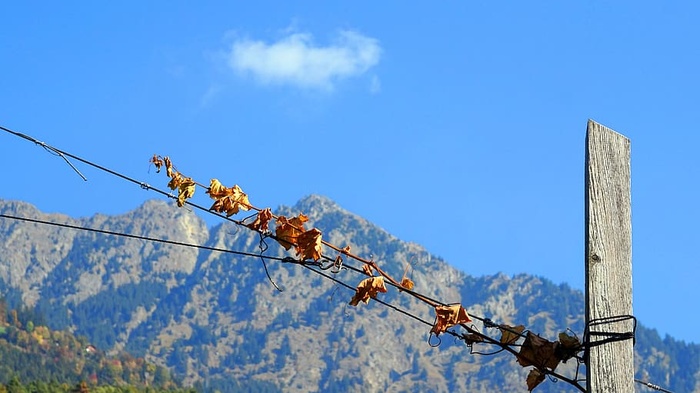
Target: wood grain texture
[(608, 256)]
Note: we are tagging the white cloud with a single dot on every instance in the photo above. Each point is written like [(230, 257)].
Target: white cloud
[(375, 85), (295, 60)]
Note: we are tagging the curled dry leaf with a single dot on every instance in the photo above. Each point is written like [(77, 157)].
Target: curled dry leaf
[(510, 334), (225, 205), (309, 245), (157, 161), (405, 281), (448, 316), (368, 289), (568, 346), (228, 200), (217, 190), (534, 378), (175, 181), (240, 198), (473, 338), (185, 191), (569, 342), (288, 230), (367, 269), (262, 220), (169, 167), (539, 352)]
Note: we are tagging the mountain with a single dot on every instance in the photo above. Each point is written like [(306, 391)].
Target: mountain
[(53, 361), (218, 322)]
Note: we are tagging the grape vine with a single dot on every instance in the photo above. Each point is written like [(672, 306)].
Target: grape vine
[(541, 355)]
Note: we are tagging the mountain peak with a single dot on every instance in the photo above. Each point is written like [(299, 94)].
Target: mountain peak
[(316, 203), (24, 209)]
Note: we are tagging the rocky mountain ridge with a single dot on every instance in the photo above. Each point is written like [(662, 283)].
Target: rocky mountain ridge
[(215, 318)]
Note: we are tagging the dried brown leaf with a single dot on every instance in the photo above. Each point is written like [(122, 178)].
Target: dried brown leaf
[(185, 191), (448, 316), (223, 205), (228, 200), (240, 198), (232, 207), (175, 181), (367, 269), (534, 378), (288, 230), (169, 168), (473, 338), (368, 289), (539, 352), (569, 342), (510, 334), (217, 190), (407, 283), (309, 245), (568, 346), (299, 221), (262, 220), (157, 161)]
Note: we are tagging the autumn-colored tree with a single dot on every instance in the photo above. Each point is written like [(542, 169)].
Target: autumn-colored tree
[(82, 387)]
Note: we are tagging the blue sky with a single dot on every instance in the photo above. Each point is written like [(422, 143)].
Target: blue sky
[(460, 126)]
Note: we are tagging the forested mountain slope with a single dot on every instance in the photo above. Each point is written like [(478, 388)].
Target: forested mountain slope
[(35, 358), (215, 318)]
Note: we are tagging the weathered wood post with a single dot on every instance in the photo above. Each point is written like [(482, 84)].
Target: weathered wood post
[(608, 257)]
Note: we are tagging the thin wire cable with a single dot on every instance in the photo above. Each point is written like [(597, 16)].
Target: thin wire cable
[(48, 148), (146, 186), (143, 185), (222, 250), (399, 287), (146, 238), (395, 308), (285, 259), (652, 386)]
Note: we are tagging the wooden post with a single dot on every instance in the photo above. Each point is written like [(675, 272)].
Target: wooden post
[(610, 366)]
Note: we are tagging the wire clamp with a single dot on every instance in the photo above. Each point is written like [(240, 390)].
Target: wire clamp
[(606, 336), (489, 323)]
